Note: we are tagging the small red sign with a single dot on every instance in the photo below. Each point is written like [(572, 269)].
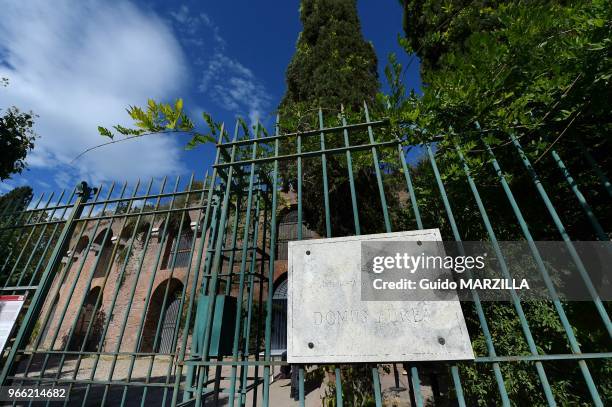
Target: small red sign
[(12, 297)]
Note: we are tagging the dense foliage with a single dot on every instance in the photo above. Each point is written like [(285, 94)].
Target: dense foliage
[(16, 139), (539, 71), (541, 68)]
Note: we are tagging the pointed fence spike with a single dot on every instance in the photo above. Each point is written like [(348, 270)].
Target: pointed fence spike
[(256, 135), (236, 127)]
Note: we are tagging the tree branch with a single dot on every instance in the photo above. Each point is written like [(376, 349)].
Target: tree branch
[(126, 139)]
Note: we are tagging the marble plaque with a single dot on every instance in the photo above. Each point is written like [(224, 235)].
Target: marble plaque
[(327, 321)]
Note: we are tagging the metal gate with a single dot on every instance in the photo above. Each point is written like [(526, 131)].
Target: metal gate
[(125, 242), (170, 321), (279, 317)]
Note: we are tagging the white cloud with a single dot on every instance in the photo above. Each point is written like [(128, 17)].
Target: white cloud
[(225, 80), (79, 64)]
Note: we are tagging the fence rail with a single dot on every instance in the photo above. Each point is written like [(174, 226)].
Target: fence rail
[(124, 284)]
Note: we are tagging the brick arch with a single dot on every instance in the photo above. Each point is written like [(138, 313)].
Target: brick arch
[(143, 226), (103, 251), (287, 230), (181, 245), (81, 244), (157, 315), (89, 322), (174, 221), (99, 239)]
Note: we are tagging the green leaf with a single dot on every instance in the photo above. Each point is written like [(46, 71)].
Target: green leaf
[(127, 132), (197, 139), (105, 132), (208, 120), (245, 128)]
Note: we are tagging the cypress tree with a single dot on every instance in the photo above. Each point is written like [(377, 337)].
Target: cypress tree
[(332, 64)]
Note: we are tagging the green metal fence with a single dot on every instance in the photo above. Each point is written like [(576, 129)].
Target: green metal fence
[(164, 293)]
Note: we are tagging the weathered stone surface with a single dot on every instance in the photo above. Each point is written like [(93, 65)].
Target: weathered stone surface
[(329, 323)]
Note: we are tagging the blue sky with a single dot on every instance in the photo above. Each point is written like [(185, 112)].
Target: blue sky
[(79, 64)]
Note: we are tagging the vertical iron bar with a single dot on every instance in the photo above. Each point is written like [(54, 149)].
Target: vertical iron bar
[(413, 200), (180, 356), (20, 229), (245, 244), (24, 248), (268, 330), (216, 268), (414, 373), (324, 172), (328, 214), (118, 288), (154, 269), (71, 293), (458, 388), (565, 236), (504, 268), (479, 310), (203, 246), (381, 190), (299, 187), (247, 335), (63, 275), (383, 203), (301, 385), (376, 385), (605, 181), (262, 278), (338, 374), (164, 308), (349, 165), (211, 230), (601, 235), (540, 263), (45, 283), (416, 385), (234, 239), (98, 304), (43, 255), (210, 247)]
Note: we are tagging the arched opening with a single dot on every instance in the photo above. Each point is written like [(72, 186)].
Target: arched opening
[(279, 315), (100, 238), (162, 318), (88, 320), (288, 231), (139, 228), (178, 248), (81, 245), (142, 232), (103, 249)]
